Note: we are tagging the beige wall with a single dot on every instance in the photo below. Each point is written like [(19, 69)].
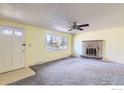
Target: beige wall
[(35, 37), (114, 43)]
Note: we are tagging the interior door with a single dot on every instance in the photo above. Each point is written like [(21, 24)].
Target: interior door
[(11, 49)]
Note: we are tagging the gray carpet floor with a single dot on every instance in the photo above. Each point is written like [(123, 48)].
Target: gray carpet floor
[(76, 71)]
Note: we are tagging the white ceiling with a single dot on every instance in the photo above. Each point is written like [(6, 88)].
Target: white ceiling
[(59, 17)]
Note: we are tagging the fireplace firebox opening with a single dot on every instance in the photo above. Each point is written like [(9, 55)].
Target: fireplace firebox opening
[(92, 49)]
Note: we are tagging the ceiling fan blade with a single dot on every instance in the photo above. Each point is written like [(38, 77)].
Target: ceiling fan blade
[(83, 25), (80, 28), (70, 29)]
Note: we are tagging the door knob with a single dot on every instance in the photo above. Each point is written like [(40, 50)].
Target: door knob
[(23, 44), (23, 50)]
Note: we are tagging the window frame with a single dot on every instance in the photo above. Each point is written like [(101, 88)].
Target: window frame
[(54, 35)]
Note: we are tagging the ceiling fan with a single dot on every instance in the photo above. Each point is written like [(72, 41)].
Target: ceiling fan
[(78, 27)]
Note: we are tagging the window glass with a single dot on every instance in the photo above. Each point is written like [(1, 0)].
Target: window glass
[(7, 32), (4, 30), (18, 33), (55, 42)]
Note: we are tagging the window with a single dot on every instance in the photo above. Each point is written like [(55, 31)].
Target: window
[(54, 42), (18, 33), (11, 31), (7, 32)]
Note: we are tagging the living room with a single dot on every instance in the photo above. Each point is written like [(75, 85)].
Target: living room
[(54, 46)]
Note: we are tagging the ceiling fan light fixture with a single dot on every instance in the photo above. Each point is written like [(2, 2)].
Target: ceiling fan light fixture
[(77, 27)]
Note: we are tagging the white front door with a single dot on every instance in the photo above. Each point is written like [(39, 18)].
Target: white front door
[(11, 48), (18, 48), (5, 49)]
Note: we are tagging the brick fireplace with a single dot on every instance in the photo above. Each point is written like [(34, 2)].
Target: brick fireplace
[(92, 49)]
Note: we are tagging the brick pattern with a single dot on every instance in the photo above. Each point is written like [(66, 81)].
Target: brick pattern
[(93, 48)]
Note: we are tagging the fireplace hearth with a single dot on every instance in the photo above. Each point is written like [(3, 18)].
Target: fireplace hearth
[(92, 49)]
